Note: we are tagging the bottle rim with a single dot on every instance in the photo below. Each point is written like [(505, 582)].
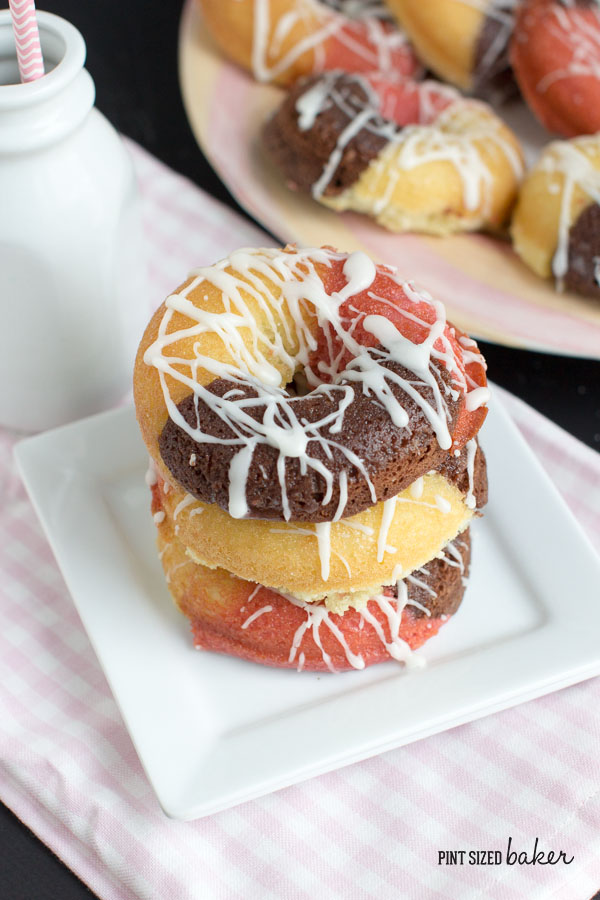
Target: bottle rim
[(63, 49)]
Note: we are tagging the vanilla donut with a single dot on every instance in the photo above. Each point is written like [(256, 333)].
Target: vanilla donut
[(281, 40), (556, 223), (464, 42), (342, 560), (416, 157), (234, 616)]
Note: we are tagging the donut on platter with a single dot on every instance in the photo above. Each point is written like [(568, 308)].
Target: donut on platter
[(414, 156), (281, 40), (556, 223), (464, 42), (312, 424), (231, 615), (555, 53)]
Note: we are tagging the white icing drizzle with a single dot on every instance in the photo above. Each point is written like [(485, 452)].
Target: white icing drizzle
[(571, 27), (365, 35), (396, 647), (573, 167), (450, 135), (284, 284), (174, 569), (254, 593), (442, 504), (389, 507), (256, 615), (158, 517), (187, 501), (151, 478), (317, 616), (471, 448), (502, 11), (416, 488), (323, 532)]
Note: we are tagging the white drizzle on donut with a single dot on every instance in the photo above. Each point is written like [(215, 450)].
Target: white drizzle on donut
[(183, 504), (448, 136), (323, 535), (267, 64), (501, 11), (569, 160), (298, 289), (572, 28), (471, 448), (151, 477), (317, 616), (255, 615)]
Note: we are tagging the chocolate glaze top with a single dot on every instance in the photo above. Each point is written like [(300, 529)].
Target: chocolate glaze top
[(492, 73), (583, 267), (393, 457), (303, 153)]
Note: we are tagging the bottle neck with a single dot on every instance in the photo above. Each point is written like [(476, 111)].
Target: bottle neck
[(42, 112)]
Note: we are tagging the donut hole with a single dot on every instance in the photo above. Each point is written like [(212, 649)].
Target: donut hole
[(298, 386)]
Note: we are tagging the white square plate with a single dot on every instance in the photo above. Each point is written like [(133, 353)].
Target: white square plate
[(212, 731)]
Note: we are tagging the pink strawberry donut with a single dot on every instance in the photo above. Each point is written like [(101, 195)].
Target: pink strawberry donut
[(281, 40), (247, 620), (555, 54)]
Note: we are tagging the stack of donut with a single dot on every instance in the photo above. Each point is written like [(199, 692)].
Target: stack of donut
[(312, 423)]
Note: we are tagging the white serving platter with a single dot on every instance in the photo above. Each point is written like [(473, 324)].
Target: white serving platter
[(487, 290), (213, 731)]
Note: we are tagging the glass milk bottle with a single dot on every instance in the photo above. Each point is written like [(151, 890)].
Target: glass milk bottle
[(72, 303)]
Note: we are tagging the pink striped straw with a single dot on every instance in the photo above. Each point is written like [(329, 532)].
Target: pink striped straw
[(27, 37)]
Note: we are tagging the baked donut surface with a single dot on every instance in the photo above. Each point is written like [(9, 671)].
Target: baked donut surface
[(555, 53), (243, 369), (464, 42), (342, 559), (234, 616), (414, 156), (387, 377), (556, 223), (281, 40)]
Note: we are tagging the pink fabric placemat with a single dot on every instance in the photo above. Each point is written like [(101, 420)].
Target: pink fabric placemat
[(371, 830)]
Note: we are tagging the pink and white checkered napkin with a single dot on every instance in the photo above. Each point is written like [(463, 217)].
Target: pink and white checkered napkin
[(370, 830)]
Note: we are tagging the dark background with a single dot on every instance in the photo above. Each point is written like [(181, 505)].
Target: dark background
[(132, 56)]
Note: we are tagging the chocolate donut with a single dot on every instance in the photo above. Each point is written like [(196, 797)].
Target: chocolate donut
[(414, 156)]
